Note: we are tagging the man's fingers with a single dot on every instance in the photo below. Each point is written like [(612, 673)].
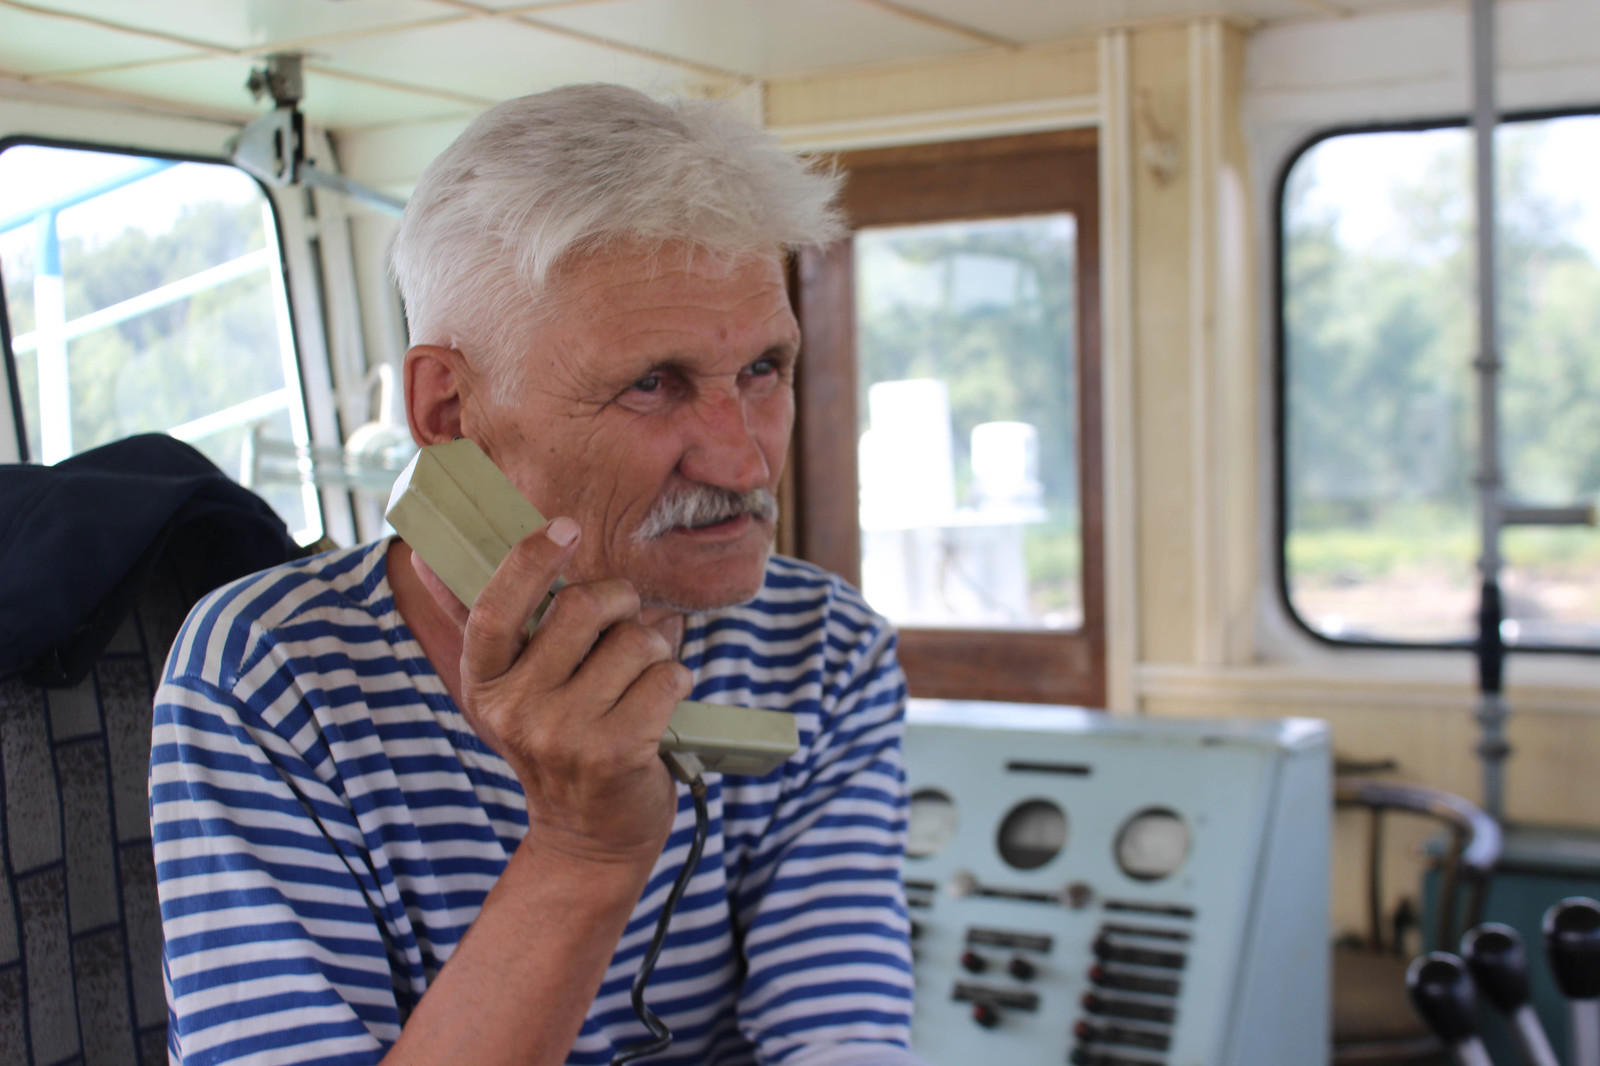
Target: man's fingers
[(576, 621), (496, 629), (655, 693), (623, 654), (671, 627)]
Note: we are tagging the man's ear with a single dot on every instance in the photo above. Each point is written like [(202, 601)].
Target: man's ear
[(436, 385)]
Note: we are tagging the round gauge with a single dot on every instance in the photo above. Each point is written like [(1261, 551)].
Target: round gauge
[(1152, 844), (933, 821), (1032, 834)]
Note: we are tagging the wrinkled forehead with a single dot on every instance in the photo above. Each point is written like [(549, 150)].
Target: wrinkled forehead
[(632, 293)]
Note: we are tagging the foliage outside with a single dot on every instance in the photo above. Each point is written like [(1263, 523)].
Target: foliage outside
[(1381, 409)]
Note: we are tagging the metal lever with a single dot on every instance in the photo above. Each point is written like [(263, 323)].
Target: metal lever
[(1495, 956), (273, 146), (1441, 991), (1572, 941)]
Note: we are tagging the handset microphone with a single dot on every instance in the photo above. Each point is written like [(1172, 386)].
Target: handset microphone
[(460, 513)]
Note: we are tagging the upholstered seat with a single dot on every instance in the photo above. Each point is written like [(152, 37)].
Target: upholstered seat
[(101, 558), (80, 931)]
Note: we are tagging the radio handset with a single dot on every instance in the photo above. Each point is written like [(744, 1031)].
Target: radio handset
[(456, 510)]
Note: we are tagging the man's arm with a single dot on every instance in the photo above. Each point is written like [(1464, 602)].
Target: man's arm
[(272, 942)]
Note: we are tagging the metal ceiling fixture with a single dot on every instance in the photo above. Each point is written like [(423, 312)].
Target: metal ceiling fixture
[(273, 146)]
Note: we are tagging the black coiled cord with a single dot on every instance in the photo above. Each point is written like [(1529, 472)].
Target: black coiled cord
[(660, 1035)]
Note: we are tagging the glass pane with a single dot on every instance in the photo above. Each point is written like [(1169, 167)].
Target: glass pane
[(1550, 394), (966, 341), (1380, 397), (146, 295)]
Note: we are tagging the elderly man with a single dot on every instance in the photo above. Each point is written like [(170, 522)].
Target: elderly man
[(388, 828)]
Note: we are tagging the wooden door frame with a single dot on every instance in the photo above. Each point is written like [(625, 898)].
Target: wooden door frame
[(995, 177)]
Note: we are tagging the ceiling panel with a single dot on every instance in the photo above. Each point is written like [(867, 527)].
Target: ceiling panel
[(1036, 21), (493, 60), (42, 44), (329, 101), (762, 37), (380, 62), (530, 6), (248, 24)]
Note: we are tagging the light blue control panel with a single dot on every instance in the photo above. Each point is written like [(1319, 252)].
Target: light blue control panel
[(1117, 891)]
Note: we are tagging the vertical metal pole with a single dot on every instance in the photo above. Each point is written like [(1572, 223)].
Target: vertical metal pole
[(1471, 1052), (1530, 1035), (50, 350), (1492, 746), (1585, 1035)]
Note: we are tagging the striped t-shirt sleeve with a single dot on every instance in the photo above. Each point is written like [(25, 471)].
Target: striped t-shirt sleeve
[(821, 903), (269, 939)]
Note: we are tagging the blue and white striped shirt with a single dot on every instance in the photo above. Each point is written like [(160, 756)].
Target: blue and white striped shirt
[(327, 827)]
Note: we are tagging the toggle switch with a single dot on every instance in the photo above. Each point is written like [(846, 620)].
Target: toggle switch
[(972, 962), (1021, 968), (985, 1015)]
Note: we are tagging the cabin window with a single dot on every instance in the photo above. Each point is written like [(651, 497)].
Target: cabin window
[(145, 294), (1378, 398), (947, 450)]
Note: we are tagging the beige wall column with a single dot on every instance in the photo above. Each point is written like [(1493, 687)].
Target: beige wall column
[(1162, 351), (1192, 353), (1118, 332), (1222, 343)]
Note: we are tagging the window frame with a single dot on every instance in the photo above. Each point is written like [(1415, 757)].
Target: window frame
[(992, 177), (13, 377), (12, 373), (1280, 392)]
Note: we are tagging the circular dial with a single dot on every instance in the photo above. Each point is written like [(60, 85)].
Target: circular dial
[(933, 822), (1032, 834), (1152, 844)]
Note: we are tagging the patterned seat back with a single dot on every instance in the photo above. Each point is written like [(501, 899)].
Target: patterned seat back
[(80, 931)]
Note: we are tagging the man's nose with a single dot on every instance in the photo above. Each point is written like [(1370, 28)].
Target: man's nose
[(723, 449)]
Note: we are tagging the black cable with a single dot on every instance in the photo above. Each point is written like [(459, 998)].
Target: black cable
[(660, 1035)]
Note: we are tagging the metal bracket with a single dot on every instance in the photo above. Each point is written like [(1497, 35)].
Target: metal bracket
[(1527, 515), (273, 147)]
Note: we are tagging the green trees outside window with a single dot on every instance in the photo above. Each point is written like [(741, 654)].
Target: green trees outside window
[(1378, 396)]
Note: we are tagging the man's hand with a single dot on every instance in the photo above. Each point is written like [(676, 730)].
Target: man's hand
[(578, 710)]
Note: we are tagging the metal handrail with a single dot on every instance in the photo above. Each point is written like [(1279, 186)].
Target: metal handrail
[(1477, 840), (145, 302), (1484, 839)]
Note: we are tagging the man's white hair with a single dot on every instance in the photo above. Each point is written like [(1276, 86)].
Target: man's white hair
[(535, 181)]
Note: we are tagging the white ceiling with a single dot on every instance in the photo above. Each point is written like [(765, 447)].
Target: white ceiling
[(374, 63)]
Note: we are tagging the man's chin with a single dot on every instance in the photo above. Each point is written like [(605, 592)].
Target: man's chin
[(729, 585)]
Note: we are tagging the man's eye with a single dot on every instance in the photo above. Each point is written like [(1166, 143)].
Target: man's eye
[(764, 366), (649, 383)]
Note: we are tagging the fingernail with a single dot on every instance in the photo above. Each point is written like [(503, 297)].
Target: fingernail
[(563, 531)]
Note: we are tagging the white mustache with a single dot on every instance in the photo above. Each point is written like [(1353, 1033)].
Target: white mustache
[(702, 505)]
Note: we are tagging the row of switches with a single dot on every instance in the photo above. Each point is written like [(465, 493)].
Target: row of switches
[(1020, 968)]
